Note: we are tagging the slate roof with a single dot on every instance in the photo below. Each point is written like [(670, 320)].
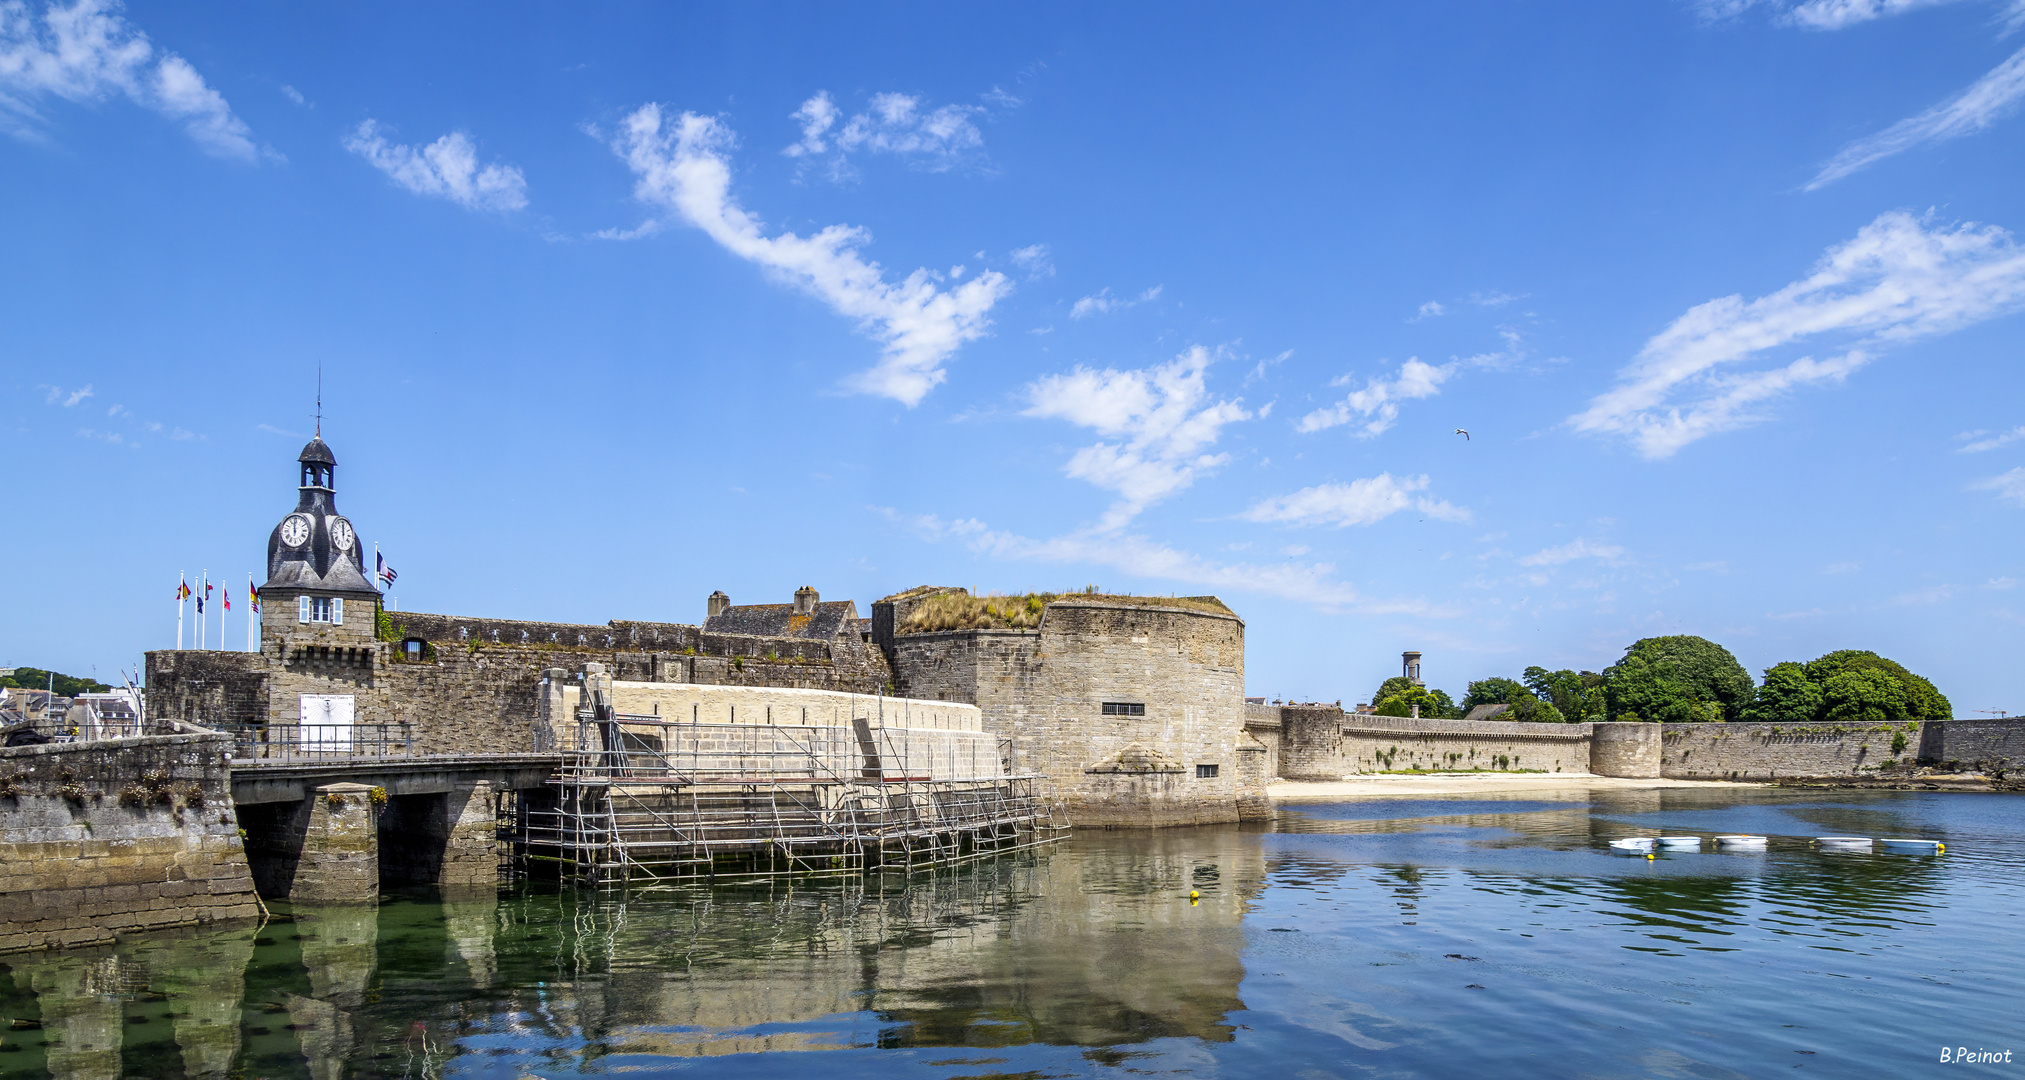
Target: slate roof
[(317, 453), (831, 619), (1487, 712)]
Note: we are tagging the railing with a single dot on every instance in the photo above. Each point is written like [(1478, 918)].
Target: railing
[(311, 742)]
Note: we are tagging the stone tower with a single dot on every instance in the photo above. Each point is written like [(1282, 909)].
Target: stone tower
[(317, 590), (1409, 666)]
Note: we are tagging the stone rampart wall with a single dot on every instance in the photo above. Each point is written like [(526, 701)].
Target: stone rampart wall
[(1773, 751), (1998, 742), (476, 688), (99, 839), (1045, 689), (1384, 743)]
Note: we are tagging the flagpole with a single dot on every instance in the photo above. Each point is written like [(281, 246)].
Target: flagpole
[(251, 603), (202, 595), (181, 583)]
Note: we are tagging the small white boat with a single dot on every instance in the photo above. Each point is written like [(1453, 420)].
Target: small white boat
[(1634, 845), (1915, 847), (1681, 843), (1843, 843), (1740, 843)]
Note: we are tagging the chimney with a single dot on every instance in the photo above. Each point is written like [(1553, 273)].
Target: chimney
[(805, 600), (719, 603)]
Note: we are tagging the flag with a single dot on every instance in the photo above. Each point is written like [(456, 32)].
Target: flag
[(228, 599), (253, 597), (381, 568), (201, 599), (182, 591)]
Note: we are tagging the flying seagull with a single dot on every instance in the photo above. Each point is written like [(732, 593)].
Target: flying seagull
[(1464, 434)]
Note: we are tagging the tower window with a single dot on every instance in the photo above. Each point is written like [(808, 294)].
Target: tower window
[(1205, 772), (320, 609), (1124, 708)]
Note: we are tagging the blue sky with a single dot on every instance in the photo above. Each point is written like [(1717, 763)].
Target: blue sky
[(615, 309)]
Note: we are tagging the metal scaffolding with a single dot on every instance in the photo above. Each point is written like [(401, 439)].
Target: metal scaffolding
[(645, 800)]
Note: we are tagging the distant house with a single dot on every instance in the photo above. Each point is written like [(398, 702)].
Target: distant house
[(1488, 712), (807, 617)]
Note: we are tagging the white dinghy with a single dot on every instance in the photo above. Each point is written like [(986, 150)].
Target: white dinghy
[(1634, 845), (1681, 843), (1741, 843), (1843, 843), (1915, 847)]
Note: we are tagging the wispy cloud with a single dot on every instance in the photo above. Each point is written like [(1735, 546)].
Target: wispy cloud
[(1142, 557), (2009, 486), (1034, 261), (682, 166), (1578, 548), (1430, 310), (1896, 281), (1377, 403), (1359, 502), (88, 52), (1156, 423), (1815, 14), (936, 139), (1102, 302), (447, 168), (1968, 112), (67, 398), (1975, 442)]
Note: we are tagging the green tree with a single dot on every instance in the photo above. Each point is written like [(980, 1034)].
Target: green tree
[(1678, 679), (1434, 704), (1865, 695), (1525, 707), (1576, 695), (1788, 696), (29, 678), (1398, 684), (1923, 701)]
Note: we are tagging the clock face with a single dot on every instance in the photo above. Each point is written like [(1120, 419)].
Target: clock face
[(341, 534), (295, 530)]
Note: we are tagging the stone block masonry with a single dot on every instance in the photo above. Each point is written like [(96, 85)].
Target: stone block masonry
[(1371, 744), (1133, 711), (1994, 744), (1782, 751), (99, 839)]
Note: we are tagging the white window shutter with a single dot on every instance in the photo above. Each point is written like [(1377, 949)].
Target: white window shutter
[(337, 611), (302, 609)]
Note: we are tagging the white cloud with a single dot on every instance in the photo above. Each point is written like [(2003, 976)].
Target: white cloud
[(1968, 112), (2009, 486), (934, 139), (1431, 309), (682, 167), (1896, 281), (1577, 548), (1837, 14), (1139, 556), (292, 94), (1493, 298), (1157, 421), (88, 52), (57, 395), (1034, 259), (1816, 14), (1991, 442), (447, 167), (1359, 502), (1842, 568), (1377, 404), (1102, 302)]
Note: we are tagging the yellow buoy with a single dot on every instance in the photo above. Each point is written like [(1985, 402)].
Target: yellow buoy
[(1649, 855), (1192, 894)]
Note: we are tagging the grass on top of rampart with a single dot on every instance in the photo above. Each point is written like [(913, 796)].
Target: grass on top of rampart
[(999, 611)]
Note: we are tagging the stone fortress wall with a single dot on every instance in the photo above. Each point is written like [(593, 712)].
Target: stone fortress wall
[(1184, 757), (99, 839), (1322, 742), (754, 730)]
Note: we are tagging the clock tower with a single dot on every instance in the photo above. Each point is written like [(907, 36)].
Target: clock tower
[(317, 593)]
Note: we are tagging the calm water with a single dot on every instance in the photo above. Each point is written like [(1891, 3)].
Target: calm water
[(1434, 937)]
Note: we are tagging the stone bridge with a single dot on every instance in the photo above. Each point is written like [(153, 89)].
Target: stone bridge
[(338, 828)]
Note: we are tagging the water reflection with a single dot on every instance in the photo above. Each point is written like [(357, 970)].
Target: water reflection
[(1373, 934)]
